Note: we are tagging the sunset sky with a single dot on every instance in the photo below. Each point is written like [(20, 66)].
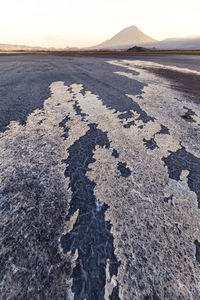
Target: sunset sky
[(82, 23)]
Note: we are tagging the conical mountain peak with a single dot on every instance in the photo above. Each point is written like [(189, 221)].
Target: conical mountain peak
[(129, 36)]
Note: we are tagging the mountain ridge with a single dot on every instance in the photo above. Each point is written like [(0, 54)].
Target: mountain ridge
[(12, 47), (125, 38), (188, 43)]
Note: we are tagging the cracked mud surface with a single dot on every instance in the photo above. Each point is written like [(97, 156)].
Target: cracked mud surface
[(100, 181)]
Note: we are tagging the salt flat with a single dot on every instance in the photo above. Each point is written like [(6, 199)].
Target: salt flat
[(100, 177)]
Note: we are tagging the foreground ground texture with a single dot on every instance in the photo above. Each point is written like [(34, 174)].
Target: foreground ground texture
[(100, 177)]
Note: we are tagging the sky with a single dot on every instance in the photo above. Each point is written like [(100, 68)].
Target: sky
[(82, 23)]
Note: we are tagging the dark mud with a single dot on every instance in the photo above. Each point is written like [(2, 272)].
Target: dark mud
[(125, 172), (115, 153), (166, 199), (91, 235), (163, 130), (197, 244), (182, 160), (184, 82), (188, 115), (150, 144), (64, 125), (25, 80)]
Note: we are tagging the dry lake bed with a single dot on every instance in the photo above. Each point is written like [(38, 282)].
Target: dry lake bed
[(100, 177)]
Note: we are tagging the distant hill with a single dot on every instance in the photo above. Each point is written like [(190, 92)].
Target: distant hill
[(17, 47), (125, 39), (189, 43), (10, 47), (138, 49)]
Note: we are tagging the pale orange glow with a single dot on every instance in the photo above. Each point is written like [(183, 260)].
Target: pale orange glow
[(81, 23)]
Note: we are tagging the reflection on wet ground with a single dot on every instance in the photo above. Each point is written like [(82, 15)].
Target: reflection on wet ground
[(183, 79)]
